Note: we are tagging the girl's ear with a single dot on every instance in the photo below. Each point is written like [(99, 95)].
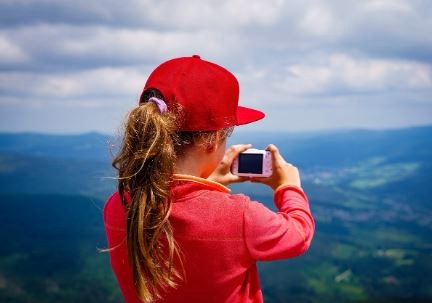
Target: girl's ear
[(214, 144)]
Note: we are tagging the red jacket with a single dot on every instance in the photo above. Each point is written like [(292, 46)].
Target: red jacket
[(221, 236)]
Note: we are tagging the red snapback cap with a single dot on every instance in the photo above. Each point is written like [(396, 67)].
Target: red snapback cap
[(206, 93)]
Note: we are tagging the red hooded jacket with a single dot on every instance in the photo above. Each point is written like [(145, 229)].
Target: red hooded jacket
[(221, 237)]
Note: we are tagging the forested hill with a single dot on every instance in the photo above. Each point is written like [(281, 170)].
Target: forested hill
[(31, 162)]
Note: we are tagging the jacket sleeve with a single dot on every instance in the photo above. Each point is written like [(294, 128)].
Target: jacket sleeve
[(273, 235)]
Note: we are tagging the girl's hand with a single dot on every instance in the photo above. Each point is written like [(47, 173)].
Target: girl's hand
[(283, 173), (222, 174)]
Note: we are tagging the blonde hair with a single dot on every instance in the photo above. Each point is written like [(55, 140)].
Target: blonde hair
[(145, 165)]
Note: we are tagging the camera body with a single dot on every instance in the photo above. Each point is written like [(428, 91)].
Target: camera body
[(253, 163)]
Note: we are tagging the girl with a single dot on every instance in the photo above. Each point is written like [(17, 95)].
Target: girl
[(175, 233)]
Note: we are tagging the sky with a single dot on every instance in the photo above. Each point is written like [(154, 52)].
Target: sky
[(79, 66)]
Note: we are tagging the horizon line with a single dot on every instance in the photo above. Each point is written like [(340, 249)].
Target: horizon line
[(239, 130)]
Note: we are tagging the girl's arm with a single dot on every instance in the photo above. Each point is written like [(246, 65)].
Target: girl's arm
[(276, 235), (273, 235)]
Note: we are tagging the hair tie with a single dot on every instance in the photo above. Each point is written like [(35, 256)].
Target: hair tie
[(160, 103)]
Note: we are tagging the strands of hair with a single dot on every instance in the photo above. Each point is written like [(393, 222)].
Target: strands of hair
[(145, 165)]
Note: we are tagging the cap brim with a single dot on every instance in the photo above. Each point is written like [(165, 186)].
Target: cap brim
[(247, 115)]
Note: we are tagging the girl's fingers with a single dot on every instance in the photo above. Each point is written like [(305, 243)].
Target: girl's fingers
[(233, 152), (275, 153), (237, 179)]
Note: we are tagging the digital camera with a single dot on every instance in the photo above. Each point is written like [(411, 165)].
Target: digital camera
[(253, 163)]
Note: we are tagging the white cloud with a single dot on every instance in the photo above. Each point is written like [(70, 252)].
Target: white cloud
[(308, 54), (96, 83), (210, 14), (172, 14), (336, 80), (319, 21), (140, 44), (103, 45), (343, 74), (11, 53), (388, 5)]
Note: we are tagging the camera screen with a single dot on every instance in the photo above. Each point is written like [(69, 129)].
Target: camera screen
[(250, 163)]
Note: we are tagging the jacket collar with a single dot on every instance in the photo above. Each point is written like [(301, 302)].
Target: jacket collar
[(207, 183)]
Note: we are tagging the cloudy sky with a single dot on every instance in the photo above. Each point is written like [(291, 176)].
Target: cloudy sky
[(77, 66)]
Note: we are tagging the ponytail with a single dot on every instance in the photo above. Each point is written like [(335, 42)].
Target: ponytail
[(145, 165)]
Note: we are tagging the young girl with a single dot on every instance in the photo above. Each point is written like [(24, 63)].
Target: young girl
[(175, 233)]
